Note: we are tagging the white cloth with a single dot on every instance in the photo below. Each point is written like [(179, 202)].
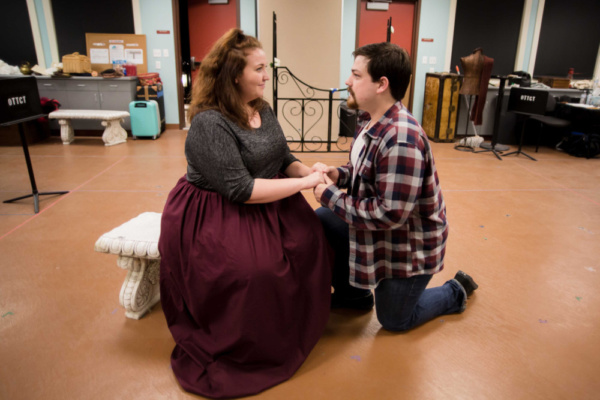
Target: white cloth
[(359, 145)]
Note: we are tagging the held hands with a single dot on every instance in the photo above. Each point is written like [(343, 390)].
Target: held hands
[(320, 188), (331, 172), (313, 179), (330, 176), (320, 167)]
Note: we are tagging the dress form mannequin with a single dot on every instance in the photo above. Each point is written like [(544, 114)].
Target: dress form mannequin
[(478, 70), (472, 65)]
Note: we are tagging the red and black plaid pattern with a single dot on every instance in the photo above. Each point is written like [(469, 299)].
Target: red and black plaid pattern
[(394, 206)]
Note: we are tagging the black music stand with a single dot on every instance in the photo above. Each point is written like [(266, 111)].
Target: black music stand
[(19, 103), (526, 102), (497, 114)]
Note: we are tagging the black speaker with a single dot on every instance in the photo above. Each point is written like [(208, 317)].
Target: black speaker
[(347, 120)]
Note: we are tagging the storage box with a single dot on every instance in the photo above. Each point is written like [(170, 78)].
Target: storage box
[(440, 106), (555, 82), (150, 78), (76, 64), (148, 92)]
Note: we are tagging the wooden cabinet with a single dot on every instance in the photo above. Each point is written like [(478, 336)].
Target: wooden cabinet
[(440, 106), (89, 93)]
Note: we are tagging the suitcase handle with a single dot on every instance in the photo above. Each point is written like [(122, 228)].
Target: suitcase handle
[(141, 105)]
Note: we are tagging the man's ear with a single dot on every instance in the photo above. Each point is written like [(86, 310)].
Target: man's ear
[(384, 84)]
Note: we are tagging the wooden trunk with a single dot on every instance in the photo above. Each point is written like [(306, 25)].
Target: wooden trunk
[(440, 106)]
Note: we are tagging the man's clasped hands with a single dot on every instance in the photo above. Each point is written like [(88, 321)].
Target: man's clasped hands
[(320, 177)]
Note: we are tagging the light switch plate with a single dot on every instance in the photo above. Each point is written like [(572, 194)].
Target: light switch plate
[(156, 52), (165, 52), (157, 65)]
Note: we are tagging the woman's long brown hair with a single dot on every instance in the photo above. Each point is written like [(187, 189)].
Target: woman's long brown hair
[(214, 87)]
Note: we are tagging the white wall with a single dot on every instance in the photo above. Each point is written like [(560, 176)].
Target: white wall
[(434, 24), (157, 15)]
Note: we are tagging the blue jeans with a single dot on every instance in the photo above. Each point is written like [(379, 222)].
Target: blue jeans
[(401, 303)]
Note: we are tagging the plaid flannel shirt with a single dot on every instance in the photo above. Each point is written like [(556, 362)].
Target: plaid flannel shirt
[(394, 207)]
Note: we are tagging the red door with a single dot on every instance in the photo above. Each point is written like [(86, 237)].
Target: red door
[(207, 23), (372, 28)]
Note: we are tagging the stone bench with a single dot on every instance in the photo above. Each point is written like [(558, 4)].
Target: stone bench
[(136, 244), (113, 134)]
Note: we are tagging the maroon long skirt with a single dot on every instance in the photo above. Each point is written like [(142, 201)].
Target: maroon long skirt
[(245, 289)]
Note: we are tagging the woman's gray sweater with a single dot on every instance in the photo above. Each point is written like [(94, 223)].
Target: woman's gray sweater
[(224, 158)]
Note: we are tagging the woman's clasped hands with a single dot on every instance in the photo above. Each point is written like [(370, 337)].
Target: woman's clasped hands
[(327, 175)]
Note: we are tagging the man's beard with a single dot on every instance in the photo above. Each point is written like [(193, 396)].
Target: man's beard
[(351, 101)]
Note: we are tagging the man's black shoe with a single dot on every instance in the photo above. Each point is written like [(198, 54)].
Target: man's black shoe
[(364, 303), (466, 282)]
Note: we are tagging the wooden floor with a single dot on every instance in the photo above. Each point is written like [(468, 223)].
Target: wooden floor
[(528, 232)]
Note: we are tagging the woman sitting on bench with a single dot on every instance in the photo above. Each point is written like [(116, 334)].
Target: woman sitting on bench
[(245, 271)]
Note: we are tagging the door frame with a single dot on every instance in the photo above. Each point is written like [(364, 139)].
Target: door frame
[(178, 61)]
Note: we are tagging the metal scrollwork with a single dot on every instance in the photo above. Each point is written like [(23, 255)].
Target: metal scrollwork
[(284, 75), (303, 112)]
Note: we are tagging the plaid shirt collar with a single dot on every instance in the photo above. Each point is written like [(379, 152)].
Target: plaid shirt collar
[(378, 129)]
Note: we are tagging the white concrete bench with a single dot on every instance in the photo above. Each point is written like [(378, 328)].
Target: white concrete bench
[(113, 134), (136, 244)]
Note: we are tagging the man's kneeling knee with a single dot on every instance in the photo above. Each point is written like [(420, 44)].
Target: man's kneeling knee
[(389, 323)]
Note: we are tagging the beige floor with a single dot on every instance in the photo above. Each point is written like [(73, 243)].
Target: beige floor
[(528, 232)]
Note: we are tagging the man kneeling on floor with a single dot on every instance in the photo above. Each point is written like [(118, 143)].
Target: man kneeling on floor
[(389, 229)]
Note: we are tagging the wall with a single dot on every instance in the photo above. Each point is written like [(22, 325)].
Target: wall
[(348, 41), (247, 16), (531, 13), (157, 15), (433, 24)]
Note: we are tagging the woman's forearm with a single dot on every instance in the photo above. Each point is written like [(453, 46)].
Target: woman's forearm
[(297, 170), (269, 190)]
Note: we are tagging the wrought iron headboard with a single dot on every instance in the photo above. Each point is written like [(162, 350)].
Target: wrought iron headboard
[(304, 112)]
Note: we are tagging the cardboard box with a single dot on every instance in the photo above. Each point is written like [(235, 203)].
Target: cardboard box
[(555, 82), (149, 92)]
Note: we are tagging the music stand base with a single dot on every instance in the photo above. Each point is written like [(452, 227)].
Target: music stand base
[(36, 200), (461, 147), (497, 146), (520, 152), (494, 148)]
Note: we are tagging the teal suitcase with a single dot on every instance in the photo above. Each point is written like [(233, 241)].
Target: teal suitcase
[(145, 118)]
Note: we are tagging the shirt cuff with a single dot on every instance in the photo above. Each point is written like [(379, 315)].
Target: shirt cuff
[(330, 195)]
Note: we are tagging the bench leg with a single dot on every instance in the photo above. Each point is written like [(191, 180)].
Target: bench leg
[(66, 131), (114, 132), (140, 291)]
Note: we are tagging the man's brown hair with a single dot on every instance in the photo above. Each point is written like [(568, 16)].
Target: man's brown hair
[(391, 61)]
